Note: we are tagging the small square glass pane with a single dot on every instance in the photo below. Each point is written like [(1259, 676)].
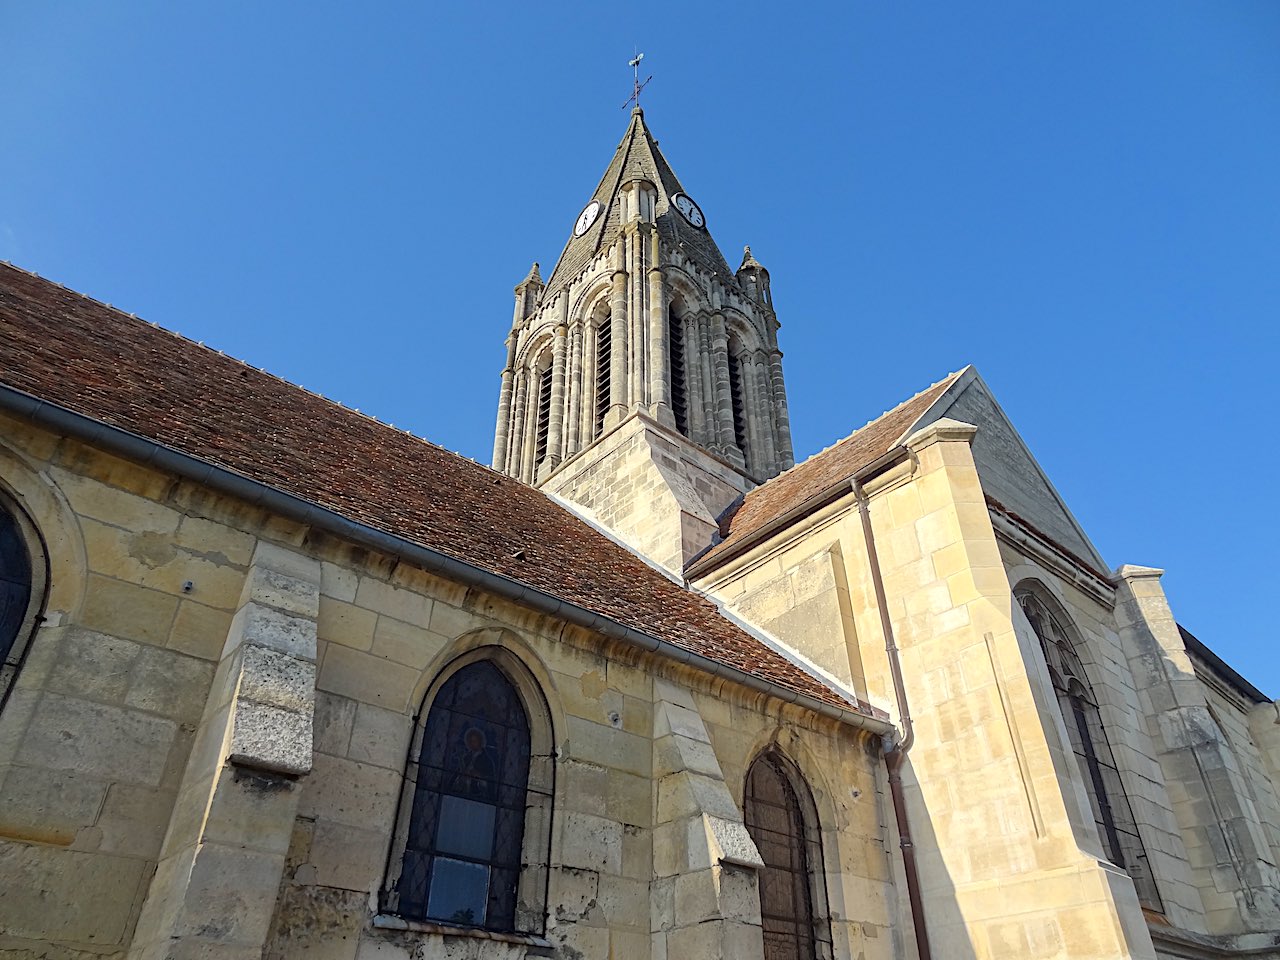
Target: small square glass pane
[(459, 892), (466, 828)]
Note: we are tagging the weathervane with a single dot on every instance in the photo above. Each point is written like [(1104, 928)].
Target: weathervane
[(635, 66)]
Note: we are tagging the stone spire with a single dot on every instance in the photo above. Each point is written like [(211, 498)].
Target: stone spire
[(642, 325)]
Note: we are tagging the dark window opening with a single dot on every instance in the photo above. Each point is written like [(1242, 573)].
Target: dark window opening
[(466, 829), (544, 415), (679, 395), (738, 404), (15, 587), (775, 821), (604, 336), (1110, 804)]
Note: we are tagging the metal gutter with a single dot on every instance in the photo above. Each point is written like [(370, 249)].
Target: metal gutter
[(150, 453)]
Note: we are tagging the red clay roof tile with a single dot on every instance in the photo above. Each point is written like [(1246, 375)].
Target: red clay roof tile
[(92, 359), (787, 491)]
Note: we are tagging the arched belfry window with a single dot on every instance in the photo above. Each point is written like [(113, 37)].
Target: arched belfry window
[(472, 842), (21, 581), (1111, 811), (781, 819)]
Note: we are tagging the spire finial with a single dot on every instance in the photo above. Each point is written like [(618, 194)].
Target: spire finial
[(634, 64), (533, 274)]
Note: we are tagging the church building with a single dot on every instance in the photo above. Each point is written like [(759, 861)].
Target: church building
[(279, 680)]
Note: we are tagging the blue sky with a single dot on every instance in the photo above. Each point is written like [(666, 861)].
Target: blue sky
[(1079, 198)]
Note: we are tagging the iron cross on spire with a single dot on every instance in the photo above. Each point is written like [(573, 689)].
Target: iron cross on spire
[(634, 64)]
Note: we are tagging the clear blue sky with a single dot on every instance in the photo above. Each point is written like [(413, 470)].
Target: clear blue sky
[(1083, 199)]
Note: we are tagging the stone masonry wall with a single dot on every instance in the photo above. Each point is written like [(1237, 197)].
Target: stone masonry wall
[(117, 837)]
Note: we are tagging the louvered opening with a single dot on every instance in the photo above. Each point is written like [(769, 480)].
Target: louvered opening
[(679, 392), (544, 415), (604, 337), (739, 405)]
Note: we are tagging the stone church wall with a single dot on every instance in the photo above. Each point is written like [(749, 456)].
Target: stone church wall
[(125, 830), (1001, 826)]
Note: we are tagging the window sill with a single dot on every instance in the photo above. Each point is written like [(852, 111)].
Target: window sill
[(386, 921)]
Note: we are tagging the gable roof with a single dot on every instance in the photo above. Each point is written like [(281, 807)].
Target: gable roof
[(95, 361), (637, 157), (808, 480)]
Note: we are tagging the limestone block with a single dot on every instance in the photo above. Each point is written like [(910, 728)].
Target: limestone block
[(348, 857), (199, 630), (357, 794), (169, 683), (266, 626), (345, 623), (270, 738), (604, 745), (318, 923), (133, 820), (53, 894), (384, 598), (682, 795), (380, 737), (230, 896), (338, 582), (366, 678), (725, 841), (93, 665), (125, 610), (215, 542), (274, 588), (47, 806), (591, 843), (248, 808), (97, 740), (276, 679), (405, 643)]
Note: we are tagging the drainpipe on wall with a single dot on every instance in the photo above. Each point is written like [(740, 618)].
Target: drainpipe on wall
[(896, 753)]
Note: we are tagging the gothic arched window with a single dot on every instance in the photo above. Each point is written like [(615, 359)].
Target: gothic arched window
[(543, 415), (474, 822), (1111, 811), (738, 402), (17, 587), (781, 820), (677, 362)]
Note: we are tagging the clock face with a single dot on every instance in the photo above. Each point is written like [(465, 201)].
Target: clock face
[(586, 218), (688, 209)]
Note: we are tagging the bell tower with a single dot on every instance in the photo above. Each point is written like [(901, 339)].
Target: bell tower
[(643, 381)]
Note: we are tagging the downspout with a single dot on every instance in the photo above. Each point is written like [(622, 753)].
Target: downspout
[(895, 756)]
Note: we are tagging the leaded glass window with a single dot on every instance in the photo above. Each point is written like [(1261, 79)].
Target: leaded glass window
[(462, 857), (1083, 720), (775, 820), (15, 588)]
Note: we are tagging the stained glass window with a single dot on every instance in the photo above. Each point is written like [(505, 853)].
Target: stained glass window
[(1083, 719), (15, 586), (775, 820), (462, 856)]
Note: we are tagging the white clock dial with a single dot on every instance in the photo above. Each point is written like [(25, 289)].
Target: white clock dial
[(688, 209), (586, 218)]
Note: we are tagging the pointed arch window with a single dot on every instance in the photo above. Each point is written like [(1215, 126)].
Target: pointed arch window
[(1110, 804), (679, 386), (781, 819), (21, 582), (739, 404), (543, 414), (604, 362), (475, 814)]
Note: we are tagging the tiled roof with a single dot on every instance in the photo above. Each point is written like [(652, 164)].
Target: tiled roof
[(821, 472), (637, 156), (92, 359)]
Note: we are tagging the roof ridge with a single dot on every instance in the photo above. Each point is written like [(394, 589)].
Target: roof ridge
[(874, 420), (200, 344)]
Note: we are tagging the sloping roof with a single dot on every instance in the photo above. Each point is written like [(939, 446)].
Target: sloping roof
[(96, 361), (806, 481), (637, 157), (1196, 647)]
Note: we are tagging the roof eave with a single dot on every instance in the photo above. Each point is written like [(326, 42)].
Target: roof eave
[(151, 453)]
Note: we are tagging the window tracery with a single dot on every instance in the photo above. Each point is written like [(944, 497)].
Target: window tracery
[(1107, 798), (780, 819), (472, 850)]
